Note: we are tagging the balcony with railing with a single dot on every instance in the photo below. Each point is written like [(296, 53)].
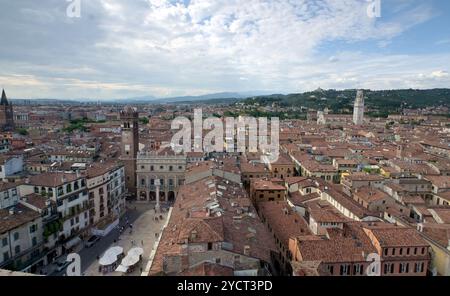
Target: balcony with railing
[(34, 251), (74, 211)]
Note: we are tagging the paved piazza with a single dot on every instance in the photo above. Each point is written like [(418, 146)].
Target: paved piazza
[(143, 235)]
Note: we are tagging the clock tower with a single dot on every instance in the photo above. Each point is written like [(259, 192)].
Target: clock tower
[(130, 146)]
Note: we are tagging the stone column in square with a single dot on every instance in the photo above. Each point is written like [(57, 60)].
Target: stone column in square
[(157, 185)]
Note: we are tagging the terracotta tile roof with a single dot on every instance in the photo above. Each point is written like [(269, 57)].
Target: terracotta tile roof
[(261, 184), (364, 177), (444, 195), (346, 161), (283, 159), (413, 200), (200, 167), (207, 269), (307, 183), (53, 179), (440, 233), (443, 214), (338, 153), (194, 154), (21, 216), (98, 169), (439, 181), (306, 268), (394, 236), (197, 207), (294, 180), (348, 245), (284, 222), (297, 199), (370, 194), (336, 192), (206, 230), (36, 200), (247, 167), (327, 216), (8, 185)]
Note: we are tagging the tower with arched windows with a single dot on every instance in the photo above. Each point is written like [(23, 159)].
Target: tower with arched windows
[(130, 146)]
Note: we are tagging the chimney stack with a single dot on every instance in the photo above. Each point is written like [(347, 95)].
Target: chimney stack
[(193, 234), (247, 250)]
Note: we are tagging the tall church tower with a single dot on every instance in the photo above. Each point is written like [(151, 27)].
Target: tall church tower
[(6, 114), (130, 146), (358, 109)]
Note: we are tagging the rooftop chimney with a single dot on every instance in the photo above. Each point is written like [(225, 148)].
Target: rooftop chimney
[(247, 250), (193, 234)]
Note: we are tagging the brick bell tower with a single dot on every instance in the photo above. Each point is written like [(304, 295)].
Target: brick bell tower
[(130, 146), (6, 114)]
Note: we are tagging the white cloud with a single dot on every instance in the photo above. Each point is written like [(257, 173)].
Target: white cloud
[(439, 74), (166, 48)]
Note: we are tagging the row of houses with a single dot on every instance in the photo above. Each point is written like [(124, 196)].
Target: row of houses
[(47, 215)]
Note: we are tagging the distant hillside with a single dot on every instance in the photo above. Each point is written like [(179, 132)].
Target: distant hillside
[(339, 100), (208, 97), (226, 96)]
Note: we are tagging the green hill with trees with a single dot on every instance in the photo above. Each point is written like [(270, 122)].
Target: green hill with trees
[(378, 103)]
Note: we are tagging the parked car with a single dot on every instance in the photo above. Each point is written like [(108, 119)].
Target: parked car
[(92, 241), (62, 264)]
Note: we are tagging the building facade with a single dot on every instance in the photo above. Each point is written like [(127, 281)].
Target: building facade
[(106, 186), (69, 192), (169, 168), (21, 239)]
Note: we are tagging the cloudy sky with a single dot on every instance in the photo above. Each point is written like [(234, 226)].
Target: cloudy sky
[(130, 48)]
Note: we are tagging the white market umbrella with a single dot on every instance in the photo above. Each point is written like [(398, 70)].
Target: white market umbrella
[(110, 256), (130, 260), (116, 250), (136, 252), (122, 268)]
